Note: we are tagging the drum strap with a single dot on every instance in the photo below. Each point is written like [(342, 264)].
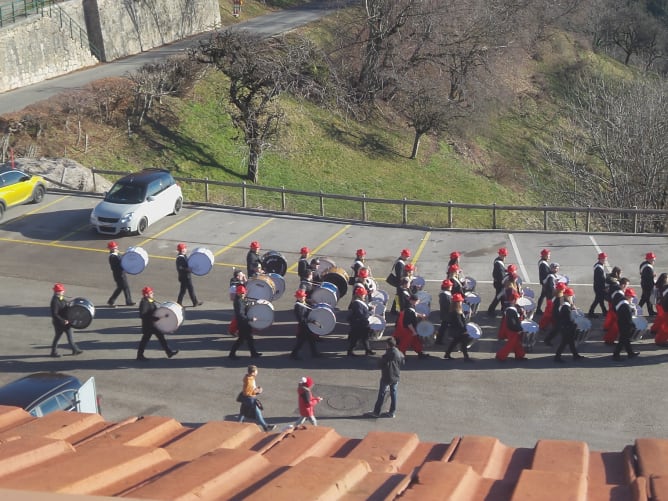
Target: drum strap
[(619, 305), (646, 265)]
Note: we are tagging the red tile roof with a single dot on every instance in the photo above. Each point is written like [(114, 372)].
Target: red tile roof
[(158, 458)]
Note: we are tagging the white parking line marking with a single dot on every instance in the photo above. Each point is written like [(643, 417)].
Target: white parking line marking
[(520, 263)]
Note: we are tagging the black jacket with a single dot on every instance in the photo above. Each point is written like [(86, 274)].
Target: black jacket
[(115, 264), (390, 365), (182, 268)]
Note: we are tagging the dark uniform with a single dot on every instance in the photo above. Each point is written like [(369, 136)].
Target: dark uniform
[(647, 285), (358, 318), (626, 328), (458, 333), (253, 263), (61, 325), (185, 280), (245, 329), (444, 302), (303, 267), (543, 272), (498, 274), (121, 280), (301, 311), (147, 307), (566, 327), (599, 289), (399, 271)]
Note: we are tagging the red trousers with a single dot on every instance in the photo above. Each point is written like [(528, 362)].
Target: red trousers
[(660, 326), (546, 320), (233, 329), (514, 344), (405, 337), (610, 326), (503, 329)]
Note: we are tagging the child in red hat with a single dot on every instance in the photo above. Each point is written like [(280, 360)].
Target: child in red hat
[(307, 401)]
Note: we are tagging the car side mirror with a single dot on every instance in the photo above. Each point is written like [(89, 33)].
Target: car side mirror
[(150, 198)]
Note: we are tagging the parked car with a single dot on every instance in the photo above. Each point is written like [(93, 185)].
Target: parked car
[(45, 392), (136, 201), (17, 187)]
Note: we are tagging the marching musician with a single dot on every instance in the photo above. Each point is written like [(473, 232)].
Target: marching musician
[(119, 275), (513, 323), (543, 272), (253, 261), (307, 284), (185, 275), (625, 312), (403, 294), (453, 276), (548, 321), (454, 258), (444, 301), (599, 286), (511, 283), (566, 327), (399, 272), (363, 279), (358, 264), (457, 328), (406, 328), (358, 318), (660, 325), (647, 277), (147, 309), (549, 286), (243, 325), (303, 263), (301, 311), (615, 293), (498, 272), (61, 323), (315, 263)]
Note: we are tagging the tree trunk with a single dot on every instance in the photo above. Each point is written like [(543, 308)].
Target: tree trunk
[(253, 163), (416, 145)]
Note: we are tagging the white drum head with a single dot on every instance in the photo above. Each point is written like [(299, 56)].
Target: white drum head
[(640, 323), (473, 330), (322, 319), (424, 297), (325, 264), (380, 295), (472, 298), (201, 261), (425, 330), (526, 303), (135, 260), (260, 287), (530, 326), (263, 312), (170, 317), (469, 283), (324, 295), (528, 292), (422, 308), (377, 323), (378, 308), (279, 286)]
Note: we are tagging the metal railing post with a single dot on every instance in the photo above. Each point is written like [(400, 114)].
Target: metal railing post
[(322, 204), (545, 217), (635, 219), (283, 204), (206, 189), (405, 211), (494, 216), (364, 207), (243, 194), (588, 218), (449, 213)]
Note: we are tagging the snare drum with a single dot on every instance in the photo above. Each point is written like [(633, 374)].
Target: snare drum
[(321, 319), (528, 305), (474, 331), (260, 287), (370, 285), (274, 262), (377, 325), (469, 284), (338, 277), (466, 310), (135, 260), (529, 331), (473, 300), (418, 283), (641, 328), (378, 308), (582, 326), (170, 317), (80, 312), (279, 286), (424, 297), (326, 293), (263, 312), (528, 292), (423, 309), (563, 279), (426, 330), (380, 295), (200, 261)]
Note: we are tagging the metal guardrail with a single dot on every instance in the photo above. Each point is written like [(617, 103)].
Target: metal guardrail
[(18, 9), (417, 213)]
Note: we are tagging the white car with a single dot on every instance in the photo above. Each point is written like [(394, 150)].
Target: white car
[(136, 201)]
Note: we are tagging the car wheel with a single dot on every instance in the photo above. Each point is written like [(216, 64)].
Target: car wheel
[(38, 194), (2, 210), (143, 224), (178, 205)]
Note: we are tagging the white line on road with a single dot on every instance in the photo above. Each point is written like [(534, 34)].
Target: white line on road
[(520, 263)]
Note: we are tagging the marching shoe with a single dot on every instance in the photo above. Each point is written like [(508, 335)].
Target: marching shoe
[(423, 355), (198, 303), (77, 352), (141, 358), (111, 305), (256, 355), (131, 303), (369, 352), (55, 354), (171, 353), (232, 356), (633, 354)]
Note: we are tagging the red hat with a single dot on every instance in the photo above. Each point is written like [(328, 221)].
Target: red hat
[(241, 289), (58, 287), (304, 250), (300, 293), (561, 286), (364, 272), (405, 253), (511, 268), (455, 254), (409, 267), (446, 283), (602, 255), (359, 291), (360, 253), (503, 251), (255, 245), (306, 381), (453, 268), (146, 291), (650, 255), (457, 298), (545, 252), (181, 246), (569, 292), (629, 292), (112, 245)]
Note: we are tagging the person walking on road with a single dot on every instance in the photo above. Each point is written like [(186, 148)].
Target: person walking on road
[(251, 407), (566, 327), (498, 274), (120, 277), (625, 312), (306, 402), (147, 309), (185, 276), (647, 277), (390, 372), (599, 286), (302, 311), (543, 272), (243, 325), (61, 323)]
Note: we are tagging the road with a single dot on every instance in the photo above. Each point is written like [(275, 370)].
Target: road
[(604, 403), (269, 24)]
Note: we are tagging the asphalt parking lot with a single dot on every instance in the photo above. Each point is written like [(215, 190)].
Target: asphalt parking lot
[(605, 403)]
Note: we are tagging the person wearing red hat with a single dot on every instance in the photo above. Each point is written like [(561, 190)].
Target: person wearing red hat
[(406, 328), (303, 265), (444, 301), (301, 311), (253, 261), (454, 258), (147, 308), (599, 286), (660, 325), (548, 322), (647, 277), (61, 323), (119, 275), (358, 264), (306, 402), (543, 272), (364, 279), (616, 285), (457, 329), (566, 327), (625, 313), (453, 276), (498, 273), (511, 283), (243, 325), (514, 332), (394, 278), (185, 276), (358, 318)]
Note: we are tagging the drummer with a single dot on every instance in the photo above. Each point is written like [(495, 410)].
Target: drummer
[(119, 275), (625, 312), (185, 275), (253, 261), (444, 301), (303, 263), (498, 272), (543, 272), (660, 325), (315, 263), (358, 264), (549, 285), (147, 308), (61, 323), (307, 284), (513, 325), (358, 318), (511, 283), (616, 285), (406, 328), (454, 258), (566, 327), (363, 278), (457, 329), (403, 294), (409, 271), (243, 325), (548, 322), (599, 286), (453, 276), (399, 272), (302, 311)]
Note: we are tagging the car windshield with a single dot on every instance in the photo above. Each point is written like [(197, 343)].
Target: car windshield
[(122, 193)]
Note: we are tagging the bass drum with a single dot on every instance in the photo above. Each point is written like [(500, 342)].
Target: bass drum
[(135, 260), (260, 287), (201, 261), (426, 331), (474, 331), (338, 277), (279, 286), (378, 308), (529, 331), (326, 293), (274, 262), (640, 328), (80, 313), (380, 295), (170, 317), (377, 326), (321, 319), (263, 312), (325, 264)]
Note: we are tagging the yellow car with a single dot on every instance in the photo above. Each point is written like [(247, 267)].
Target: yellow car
[(18, 188)]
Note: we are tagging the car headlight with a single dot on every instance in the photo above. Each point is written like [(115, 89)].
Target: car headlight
[(127, 218), (93, 217)]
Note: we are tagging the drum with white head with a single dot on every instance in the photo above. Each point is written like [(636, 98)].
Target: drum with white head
[(378, 308), (528, 305), (370, 285), (582, 325), (201, 261), (641, 328), (426, 330), (321, 319), (377, 326), (263, 313), (170, 317), (468, 284), (327, 293), (135, 260), (260, 287), (528, 292), (339, 277), (422, 309), (80, 312), (424, 297), (473, 300), (418, 283), (274, 262), (279, 286), (529, 331), (325, 264), (474, 331), (563, 279), (380, 295)]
